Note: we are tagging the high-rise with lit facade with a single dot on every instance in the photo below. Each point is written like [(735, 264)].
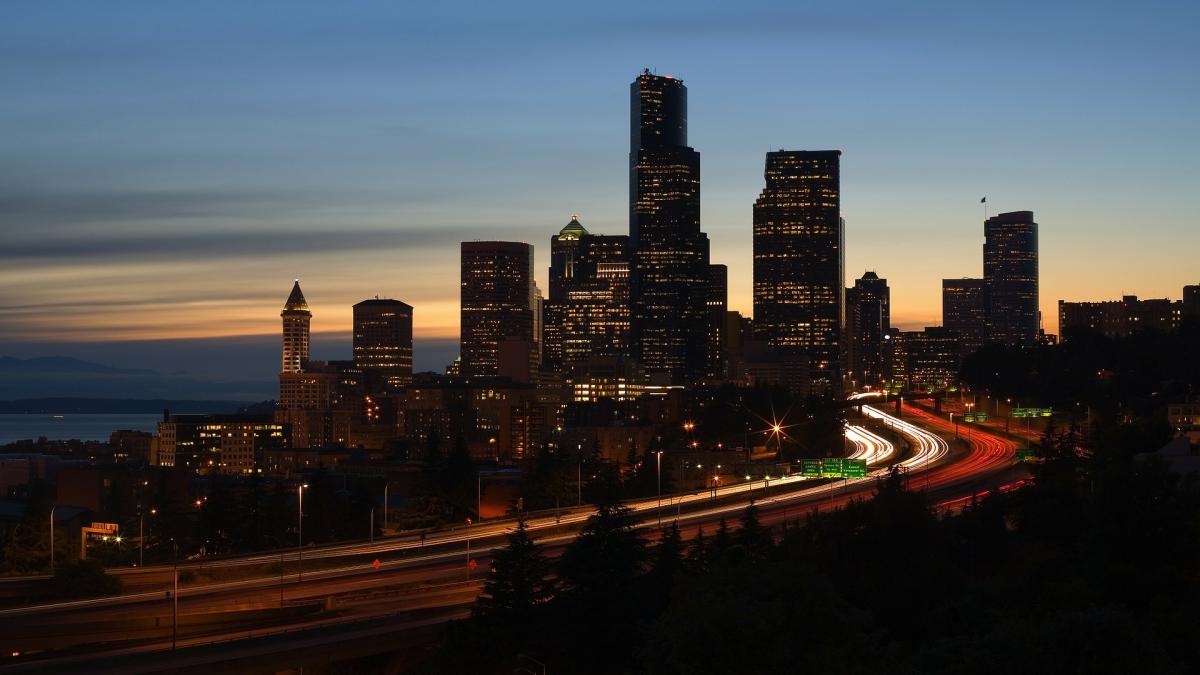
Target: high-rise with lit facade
[(383, 343), (296, 319), (965, 305), (669, 271), (496, 298), (799, 261), (587, 313), (1010, 266), (868, 320)]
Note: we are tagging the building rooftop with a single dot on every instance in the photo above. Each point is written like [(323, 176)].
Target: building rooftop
[(296, 301), (573, 229)]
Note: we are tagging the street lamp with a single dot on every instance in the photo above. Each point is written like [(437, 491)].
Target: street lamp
[(658, 462), (52, 540), (468, 549), (300, 532)]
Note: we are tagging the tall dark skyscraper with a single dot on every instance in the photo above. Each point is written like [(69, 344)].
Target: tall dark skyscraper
[(1010, 266), (296, 319), (717, 306), (965, 304), (799, 261), (669, 272), (587, 313), (496, 299), (868, 320), (383, 342)]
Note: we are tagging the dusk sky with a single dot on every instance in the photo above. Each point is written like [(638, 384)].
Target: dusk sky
[(167, 169)]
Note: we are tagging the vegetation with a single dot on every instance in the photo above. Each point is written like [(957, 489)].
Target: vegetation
[(1091, 568)]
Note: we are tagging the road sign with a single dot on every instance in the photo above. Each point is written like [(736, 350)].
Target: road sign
[(855, 468), (810, 468), (473, 564), (376, 564), (1025, 455), (832, 467)]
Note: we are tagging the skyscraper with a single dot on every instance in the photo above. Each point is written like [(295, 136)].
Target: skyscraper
[(965, 305), (798, 261), (587, 313), (296, 318), (669, 270), (1010, 266), (496, 298), (383, 343), (868, 319), (717, 305)]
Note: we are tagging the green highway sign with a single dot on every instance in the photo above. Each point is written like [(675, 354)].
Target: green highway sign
[(855, 468), (832, 467), (1025, 455), (810, 468)]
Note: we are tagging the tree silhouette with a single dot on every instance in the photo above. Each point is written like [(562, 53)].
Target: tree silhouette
[(517, 582)]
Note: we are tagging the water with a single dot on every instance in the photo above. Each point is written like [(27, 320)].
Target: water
[(94, 427)]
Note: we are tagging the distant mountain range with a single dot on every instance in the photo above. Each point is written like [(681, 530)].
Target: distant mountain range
[(60, 377)]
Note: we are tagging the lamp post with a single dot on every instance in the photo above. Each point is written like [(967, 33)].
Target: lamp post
[(658, 462), (300, 532), (468, 549), (52, 540), (141, 539), (385, 505)]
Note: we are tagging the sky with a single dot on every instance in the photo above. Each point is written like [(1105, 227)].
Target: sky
[(167, 168)]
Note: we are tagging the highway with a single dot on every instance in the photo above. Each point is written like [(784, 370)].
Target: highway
[(409, 568)]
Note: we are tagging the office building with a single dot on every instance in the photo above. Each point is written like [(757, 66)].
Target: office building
[(798, 261), (929, 359), (227, 444), (717, 305), (587, 313), (965, 305), (669, 262), (1191, 300), (383, 343), (868, 319), (1010, 267), (496, 300), (1119, 318)]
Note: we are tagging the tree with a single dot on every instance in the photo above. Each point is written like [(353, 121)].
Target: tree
[(752, 537), (517, 581), (607, 555)]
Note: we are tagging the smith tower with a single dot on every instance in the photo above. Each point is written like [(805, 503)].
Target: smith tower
[(669, 271), (296, 318), (798, 262)]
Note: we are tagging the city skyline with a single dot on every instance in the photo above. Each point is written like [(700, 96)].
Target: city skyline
[(87, 245)]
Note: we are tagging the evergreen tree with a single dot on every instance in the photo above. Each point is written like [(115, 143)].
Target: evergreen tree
[(697, 555), (517, 581), (752, 536), (607, 555)]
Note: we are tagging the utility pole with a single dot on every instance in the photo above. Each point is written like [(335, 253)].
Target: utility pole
[(385, 506), (52, 540)]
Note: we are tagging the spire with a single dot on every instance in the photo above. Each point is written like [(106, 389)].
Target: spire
[(296, 301)]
